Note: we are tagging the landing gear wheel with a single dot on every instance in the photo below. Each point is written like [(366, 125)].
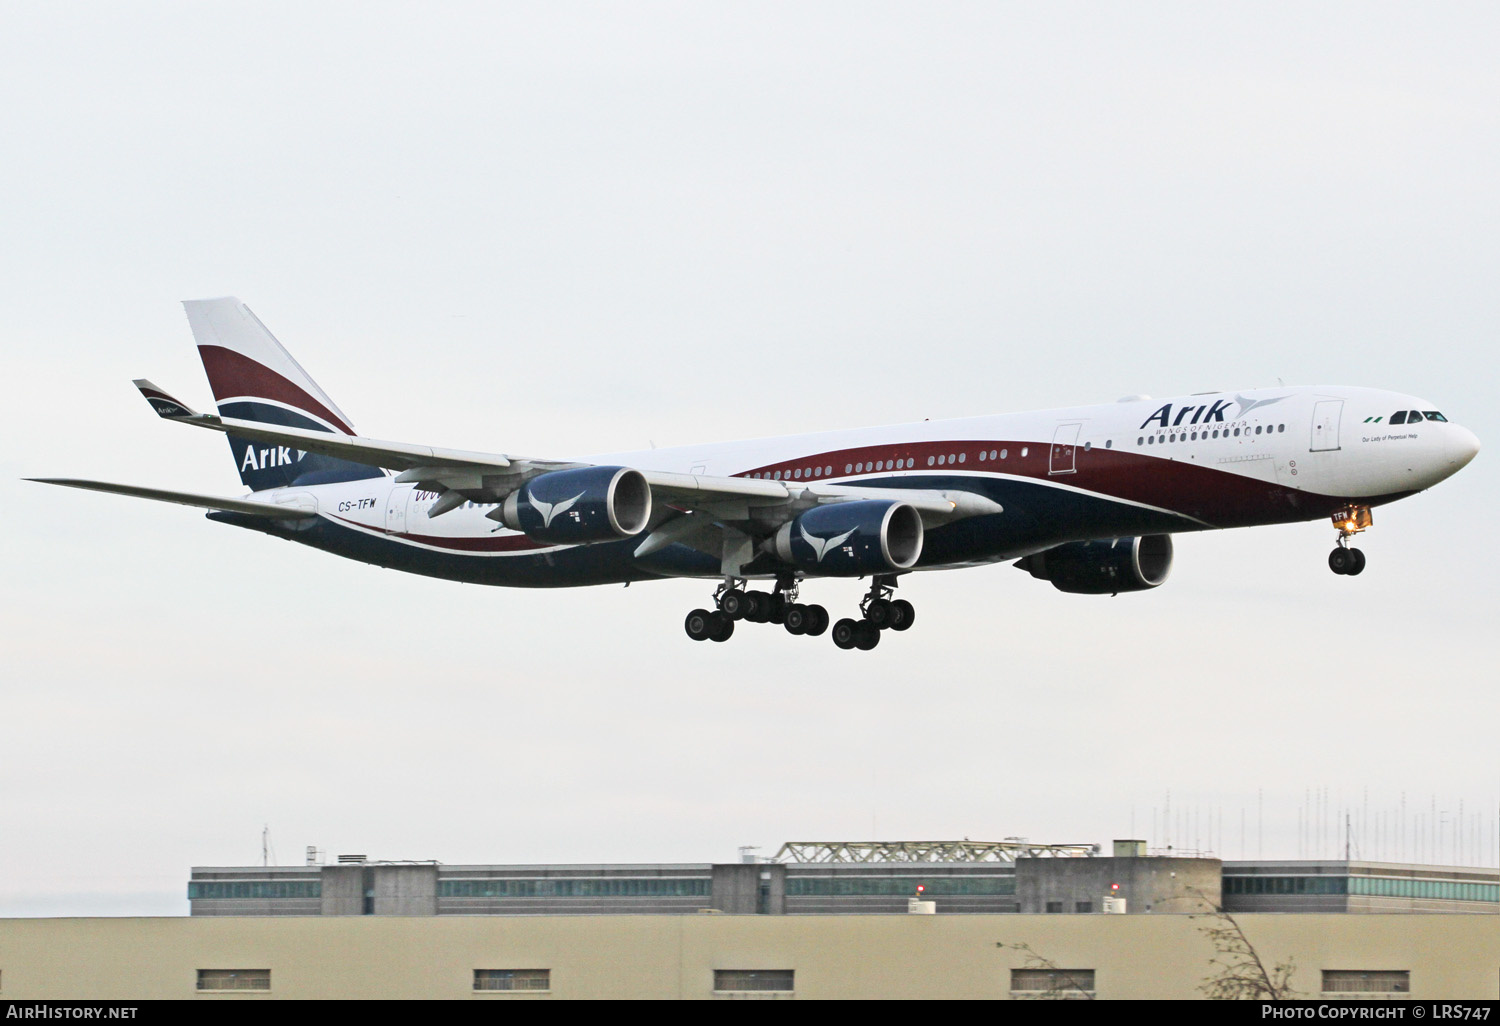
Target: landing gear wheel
[(698, 624), (878, 614), (797, 619), (757, 606), (817, 621), (776, 613), (1341, 560), (844, 633), (903, 615), (733, 604), (866, 636), (722, 627), (1359, 562)]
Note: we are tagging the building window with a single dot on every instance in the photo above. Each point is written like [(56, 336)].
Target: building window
[(1054, 983), (259, 889), (234, 979), (752, 980), (1083, 906), (1054, 906), (512, 979), (1366, 981), (898, 886)]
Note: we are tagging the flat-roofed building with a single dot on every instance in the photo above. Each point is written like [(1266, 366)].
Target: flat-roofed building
[(956, 877), (1354, 886), (494, 958)]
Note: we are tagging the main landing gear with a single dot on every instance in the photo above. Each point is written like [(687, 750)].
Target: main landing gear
[(1345, 560), (735, 603), (878, 612)]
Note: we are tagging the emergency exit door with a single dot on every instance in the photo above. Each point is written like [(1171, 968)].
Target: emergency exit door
[(1064, 458), (1325, 425)]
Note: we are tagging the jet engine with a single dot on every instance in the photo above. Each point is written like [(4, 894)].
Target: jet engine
[(1104, 567), (575, 507), (850, 539)]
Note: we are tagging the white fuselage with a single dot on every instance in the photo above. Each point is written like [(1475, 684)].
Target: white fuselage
[(1187, 463)]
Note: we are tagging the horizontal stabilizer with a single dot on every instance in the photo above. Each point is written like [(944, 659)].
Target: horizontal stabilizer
[(303, 508)]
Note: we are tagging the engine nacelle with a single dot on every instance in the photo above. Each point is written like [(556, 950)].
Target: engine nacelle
[(850, 539), (1104, 567), (575, 507)]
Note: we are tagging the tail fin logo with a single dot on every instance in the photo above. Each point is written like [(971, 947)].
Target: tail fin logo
[(274, 456), (168, 408)]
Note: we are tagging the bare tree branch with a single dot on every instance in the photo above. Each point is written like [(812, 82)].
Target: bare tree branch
[(1239, 972)]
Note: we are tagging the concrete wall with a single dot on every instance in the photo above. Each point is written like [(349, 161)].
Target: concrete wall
[(343, 890), (922, 957), (1147, 884), (405, 890), (737, 888)]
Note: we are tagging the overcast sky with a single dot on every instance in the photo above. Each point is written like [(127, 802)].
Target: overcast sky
[(567, 228)]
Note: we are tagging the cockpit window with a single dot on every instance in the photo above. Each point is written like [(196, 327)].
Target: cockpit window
[(1399, 417), (1435, 415), (1413, 417)]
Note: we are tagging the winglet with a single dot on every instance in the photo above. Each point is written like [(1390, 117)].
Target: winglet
[(164, 405)]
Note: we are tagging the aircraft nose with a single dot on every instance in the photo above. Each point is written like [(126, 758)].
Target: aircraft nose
[(1463, 446)]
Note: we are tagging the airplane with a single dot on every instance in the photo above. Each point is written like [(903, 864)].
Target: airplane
[(1086, 498)]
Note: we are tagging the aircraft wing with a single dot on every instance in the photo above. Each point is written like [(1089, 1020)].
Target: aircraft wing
[(462, 476), (275, 511)]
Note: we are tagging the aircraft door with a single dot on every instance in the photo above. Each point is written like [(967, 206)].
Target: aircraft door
[(395, 508), (1325, 425), (1064, 450)]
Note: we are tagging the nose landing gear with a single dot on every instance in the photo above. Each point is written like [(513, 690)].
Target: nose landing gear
[(1344, 560)]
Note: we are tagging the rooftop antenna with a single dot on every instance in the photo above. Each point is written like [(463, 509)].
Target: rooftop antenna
[(267, 850)]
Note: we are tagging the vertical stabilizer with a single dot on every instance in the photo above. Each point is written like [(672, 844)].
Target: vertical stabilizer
[(253, 377)]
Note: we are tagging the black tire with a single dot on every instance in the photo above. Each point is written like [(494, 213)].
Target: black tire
[(697, 624), (867, 636), (757, 605), (796, 619), (902, 615), (777, 611), (878, 614), (817, 621), (723, 628), (732, 604), (1339, 560), (844, 632), (1359, 562)]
